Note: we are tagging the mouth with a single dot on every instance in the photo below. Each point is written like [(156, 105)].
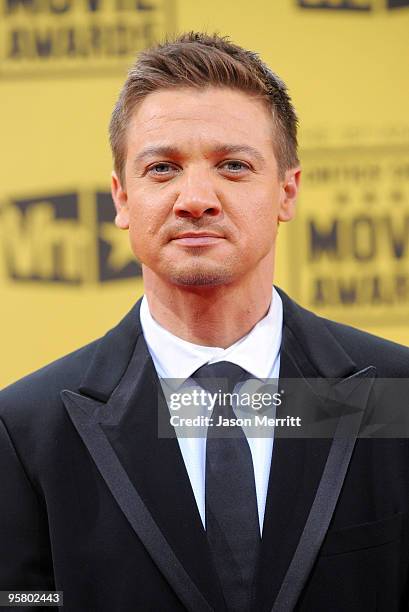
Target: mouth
[(197, 239)]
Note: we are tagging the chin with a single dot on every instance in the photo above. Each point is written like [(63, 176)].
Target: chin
[(200, 277)]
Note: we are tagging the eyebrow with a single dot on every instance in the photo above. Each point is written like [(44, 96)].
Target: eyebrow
[(218, 149)]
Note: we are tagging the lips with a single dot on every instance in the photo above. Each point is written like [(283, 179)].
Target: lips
[(197, 239)]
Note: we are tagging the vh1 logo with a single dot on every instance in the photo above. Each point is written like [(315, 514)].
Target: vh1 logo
[(65, 238)]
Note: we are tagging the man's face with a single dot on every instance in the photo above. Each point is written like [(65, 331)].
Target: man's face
[(202, 196)]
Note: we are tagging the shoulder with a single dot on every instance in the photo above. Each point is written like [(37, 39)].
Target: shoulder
[(102, 360), (390, 358), (327, 343), (40, 390)]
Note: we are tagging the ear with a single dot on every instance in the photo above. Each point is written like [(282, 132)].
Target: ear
[(289, 192), (120, 199)]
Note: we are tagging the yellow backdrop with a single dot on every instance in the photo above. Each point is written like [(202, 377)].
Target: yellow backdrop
[(66, 275)]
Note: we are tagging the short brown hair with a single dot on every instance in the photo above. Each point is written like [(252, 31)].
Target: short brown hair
[(195, 59)]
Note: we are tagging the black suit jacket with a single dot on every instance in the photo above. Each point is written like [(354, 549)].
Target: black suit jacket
[(94, 503)]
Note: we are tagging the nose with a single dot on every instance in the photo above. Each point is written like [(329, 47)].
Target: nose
[(197, 196)]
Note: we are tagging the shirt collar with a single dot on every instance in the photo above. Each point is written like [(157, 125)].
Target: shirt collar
[(176, 358)]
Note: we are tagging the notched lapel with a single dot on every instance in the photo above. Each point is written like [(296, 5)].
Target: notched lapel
[(142, 472), (307, 474), (351, 393)]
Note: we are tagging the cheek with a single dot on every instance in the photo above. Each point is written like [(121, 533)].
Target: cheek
[(141, 223), (262, 222), (259, 214), (145, 219)]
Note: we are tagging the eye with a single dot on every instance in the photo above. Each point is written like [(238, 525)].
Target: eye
[(234, 166), (162, 169)]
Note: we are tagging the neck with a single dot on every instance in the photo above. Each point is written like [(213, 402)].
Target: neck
[(209, 316)]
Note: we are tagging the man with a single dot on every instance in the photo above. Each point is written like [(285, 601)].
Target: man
[(95, 501)]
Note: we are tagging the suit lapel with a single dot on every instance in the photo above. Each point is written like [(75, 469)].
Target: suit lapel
[(145, 474), (295, 472), (306, 474), (333, 474)]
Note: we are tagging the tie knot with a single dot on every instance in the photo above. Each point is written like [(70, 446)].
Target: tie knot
[(223, 373)]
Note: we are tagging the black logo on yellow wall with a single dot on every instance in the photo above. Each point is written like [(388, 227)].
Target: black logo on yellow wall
[(352, 5), (352, 235), (65, 37), (65, 238)]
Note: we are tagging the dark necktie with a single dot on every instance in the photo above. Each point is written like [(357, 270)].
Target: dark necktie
[(232, 525)]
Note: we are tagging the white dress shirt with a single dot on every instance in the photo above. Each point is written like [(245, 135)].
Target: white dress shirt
[(258, 353)]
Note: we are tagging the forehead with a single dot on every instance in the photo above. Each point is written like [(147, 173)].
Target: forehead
[(192, 115)]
